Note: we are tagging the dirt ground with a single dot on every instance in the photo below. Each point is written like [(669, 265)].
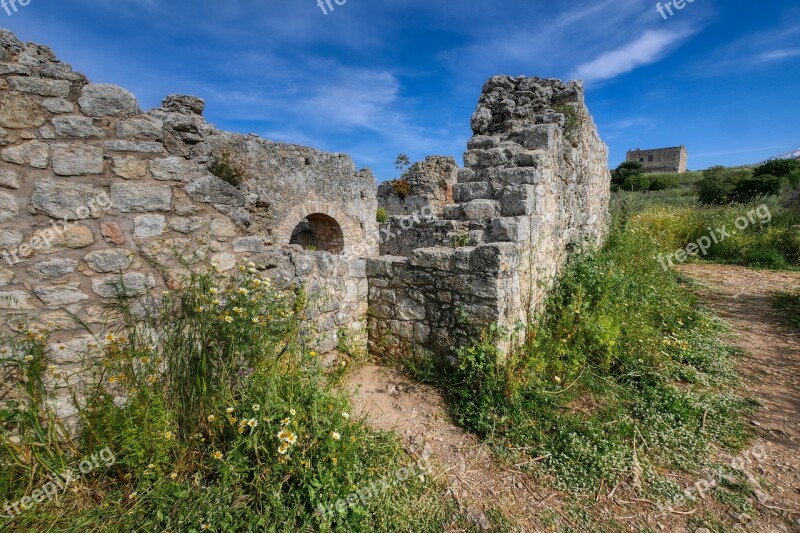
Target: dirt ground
[(481, 485)]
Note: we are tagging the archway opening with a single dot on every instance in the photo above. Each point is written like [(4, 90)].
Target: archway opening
[(319, 232)]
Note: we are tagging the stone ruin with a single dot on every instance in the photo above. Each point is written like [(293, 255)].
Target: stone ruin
[(94, 192)]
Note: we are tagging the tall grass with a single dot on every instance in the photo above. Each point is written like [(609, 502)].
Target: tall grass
[(621, 378), (221, 417)]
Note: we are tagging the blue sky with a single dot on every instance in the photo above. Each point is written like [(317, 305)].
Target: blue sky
[(376, 78)]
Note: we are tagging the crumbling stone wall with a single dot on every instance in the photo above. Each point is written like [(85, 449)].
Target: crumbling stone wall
[(534, 188), (661, 159), (429, 186), (93, 192)]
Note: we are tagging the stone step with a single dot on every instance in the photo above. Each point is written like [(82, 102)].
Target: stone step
[(480, 209)]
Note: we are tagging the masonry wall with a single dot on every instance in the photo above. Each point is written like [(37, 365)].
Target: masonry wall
[(534, 189), (94, 192), (661, 160)]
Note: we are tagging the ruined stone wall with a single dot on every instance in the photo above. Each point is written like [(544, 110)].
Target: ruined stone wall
[(429, 186), (94, 192), (535, 188), (661, 160)]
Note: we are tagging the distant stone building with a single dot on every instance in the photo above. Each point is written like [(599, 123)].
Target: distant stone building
[(662, 159)]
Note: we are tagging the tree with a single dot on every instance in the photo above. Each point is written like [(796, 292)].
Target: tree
[(402, 163), (624, 171)]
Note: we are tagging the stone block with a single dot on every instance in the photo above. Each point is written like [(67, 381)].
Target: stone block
[(76, 159), (76, 127), (146, 226), (129, 167), (53, 268), (99, 100), (518, 200), (58, 105), (63, 200), (33, 153), (20, 112), (42, 87), (140, 198), (481, 209), (60, 295), (169, 169), (109, 261), (131, 284), (134, 146)]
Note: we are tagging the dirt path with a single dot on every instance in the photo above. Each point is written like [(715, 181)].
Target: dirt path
[(770, 367), (479, 483)]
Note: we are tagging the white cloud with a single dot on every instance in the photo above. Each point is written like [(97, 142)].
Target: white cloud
[(647, 49)]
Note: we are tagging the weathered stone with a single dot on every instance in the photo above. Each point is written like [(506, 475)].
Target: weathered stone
[(481, 209), (109, 261), (76, 159), (9, 239), (58, 105), (53, 268), (180, 103), (133, 197), (224, 261), (98, 100), (222, 229), (187, 224), (131, 284), (65, 201), (142, 129), (15, 68), (20, 112), (39, 86), (168, 169), (73, 350), (59, 295), (518, 201), (212, 190), (112, 233), (58, 237), (47, 133), (33, 153), (5, 276), (15, 300), (78, 127), (248, 244), (149, 226), (129, 167), (8, 207), (133, 146)]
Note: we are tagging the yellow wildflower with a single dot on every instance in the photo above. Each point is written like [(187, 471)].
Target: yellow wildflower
[(211, 418), (336, 435), (218, 455)]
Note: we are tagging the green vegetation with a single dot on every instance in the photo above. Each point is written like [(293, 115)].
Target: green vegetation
[(621, 378), (790, 305), (382, 216), (229, 168), (722, 185), (228, 422), (630, 176)]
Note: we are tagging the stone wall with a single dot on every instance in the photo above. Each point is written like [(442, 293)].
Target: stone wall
[(535, 187), (94, 192), (661, 160), (429, 186)]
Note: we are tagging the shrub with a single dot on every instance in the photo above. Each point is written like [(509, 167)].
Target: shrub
[(230, 168), (636, 182), (624, 171), (401, 187), (662, 182), (382, 215)]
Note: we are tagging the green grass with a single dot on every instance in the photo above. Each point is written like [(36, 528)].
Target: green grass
[(228, 422), (789, 304), (622, 378)]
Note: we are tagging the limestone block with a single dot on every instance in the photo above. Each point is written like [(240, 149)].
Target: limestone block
[(140, 198), (42, 87), (33, 153), (76, 159), (20, 112), (109, 261), (99, 99), (146, 226)]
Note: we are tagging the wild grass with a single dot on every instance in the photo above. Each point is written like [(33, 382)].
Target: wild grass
[(789, 304), (221, 417), (622, 377)]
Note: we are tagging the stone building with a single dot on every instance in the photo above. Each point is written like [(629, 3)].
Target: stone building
[(95, 193), (661, 159)]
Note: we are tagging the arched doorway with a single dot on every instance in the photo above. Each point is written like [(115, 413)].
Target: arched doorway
[(319, 232)]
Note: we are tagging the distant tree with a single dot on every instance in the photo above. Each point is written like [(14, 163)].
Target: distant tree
[(402, 163), (748, 189), (786, 169), (624, 171), (716, 186)]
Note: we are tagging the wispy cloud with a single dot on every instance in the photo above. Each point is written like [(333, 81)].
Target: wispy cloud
[(647, 49)]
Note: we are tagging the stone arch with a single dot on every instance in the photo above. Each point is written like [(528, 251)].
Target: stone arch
[(319, 232), (322, 220)]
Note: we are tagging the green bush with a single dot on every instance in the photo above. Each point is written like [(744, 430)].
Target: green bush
[(662, 182), (637, 182), (624, 171), (382, 215)]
